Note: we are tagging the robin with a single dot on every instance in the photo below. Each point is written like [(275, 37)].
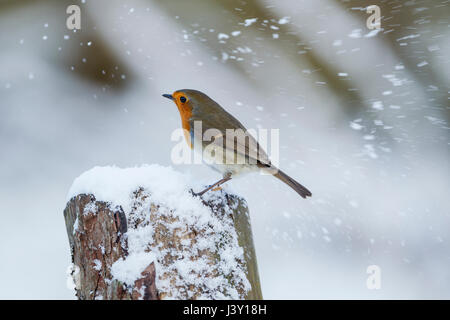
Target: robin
[(239, 154)]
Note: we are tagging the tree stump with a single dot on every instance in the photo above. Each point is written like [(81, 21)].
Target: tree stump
[(154, 252)]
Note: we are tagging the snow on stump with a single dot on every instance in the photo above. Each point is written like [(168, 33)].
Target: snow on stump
[(139, 233)]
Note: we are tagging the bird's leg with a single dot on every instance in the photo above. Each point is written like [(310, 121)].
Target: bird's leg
[(218, 183)]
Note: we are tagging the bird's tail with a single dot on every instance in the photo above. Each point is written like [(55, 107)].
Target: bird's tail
[(301, 190)]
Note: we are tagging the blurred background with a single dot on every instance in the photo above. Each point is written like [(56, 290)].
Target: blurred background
[(363, 118)]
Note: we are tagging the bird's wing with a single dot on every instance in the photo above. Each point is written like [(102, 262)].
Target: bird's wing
[(244, 147), (239, 143), (239, 146)]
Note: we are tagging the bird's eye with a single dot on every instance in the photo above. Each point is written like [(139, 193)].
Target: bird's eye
[(183, 99)]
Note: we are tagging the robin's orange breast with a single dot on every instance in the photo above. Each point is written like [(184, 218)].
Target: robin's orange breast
[(186, 114)]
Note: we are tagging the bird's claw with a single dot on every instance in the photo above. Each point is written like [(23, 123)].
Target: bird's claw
[(194, 193)]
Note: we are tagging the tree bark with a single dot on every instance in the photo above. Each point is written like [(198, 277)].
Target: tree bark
[(97, 234)]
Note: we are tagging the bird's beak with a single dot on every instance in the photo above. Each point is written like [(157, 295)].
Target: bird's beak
[(168, 96)]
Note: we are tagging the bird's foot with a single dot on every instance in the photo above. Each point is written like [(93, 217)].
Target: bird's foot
[(194, 193), (199, 194), (216, 187)]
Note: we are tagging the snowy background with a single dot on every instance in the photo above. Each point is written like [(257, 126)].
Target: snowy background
[(363, 119)]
